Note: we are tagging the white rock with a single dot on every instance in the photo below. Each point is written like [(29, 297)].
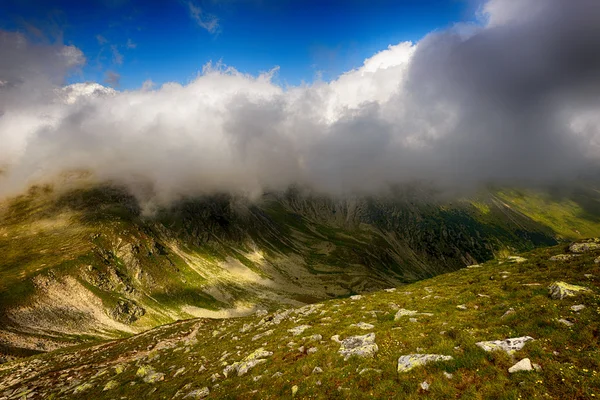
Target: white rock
[(390, 290), (508, 345), (410, 361), (312, 350), (356, 297), (298, 329), (508, 312), (523, 365), (566, 322), (577, 307), (425, 385), (317, 370), (403, 312), (361, 346), (197, 394), (448, 375), (461, 307), (363, 325)]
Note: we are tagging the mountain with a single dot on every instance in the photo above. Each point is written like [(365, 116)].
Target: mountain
[(84, 262), (457, 335)]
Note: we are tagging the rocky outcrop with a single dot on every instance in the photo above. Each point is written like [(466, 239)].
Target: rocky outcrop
[(127, 311), (560, 290), (360, 346)]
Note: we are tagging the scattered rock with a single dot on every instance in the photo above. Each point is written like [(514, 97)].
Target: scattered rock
[(597, 260), (197, 394), (563, 257), (277, 374), (242, 367), (402, 312), (474, 266), (261, 313), (425, 386), (566, 322), (537, 367), (482, 295), (336, 338), (361, 346), (461, 307), (148, 374), (390, 290), (317, 370), (560, 290), (412, 320), (294, 390), (508, 345), (584, 247), (510, 311), (261, 335), (110, 385), (363, 325), (448, 375), (577, 307), (408, 362), (523, 365), (367, 370), (356, 297), (312, 350), (127, 312), (517, 259), (298, 329), (317, 337)]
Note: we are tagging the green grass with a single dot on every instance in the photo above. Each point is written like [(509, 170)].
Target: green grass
[(569, 357)]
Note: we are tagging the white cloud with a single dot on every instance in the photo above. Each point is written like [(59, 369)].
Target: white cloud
[(204, 20), (501, 103), (117, 56)]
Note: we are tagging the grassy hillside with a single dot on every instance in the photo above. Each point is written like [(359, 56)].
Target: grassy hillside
[(503, 298), (84, 263)]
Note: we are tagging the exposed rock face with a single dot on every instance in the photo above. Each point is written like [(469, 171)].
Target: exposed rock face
[(127, 312), (508, 345), (408, 362), (523, 365), (242, 367), (585, 246), (560, 290), (361, 346)]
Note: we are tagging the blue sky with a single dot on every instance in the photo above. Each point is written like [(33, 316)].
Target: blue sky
[(171, 40)]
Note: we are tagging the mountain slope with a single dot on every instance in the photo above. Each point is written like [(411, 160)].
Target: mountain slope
[(84, 262), (298, 351)]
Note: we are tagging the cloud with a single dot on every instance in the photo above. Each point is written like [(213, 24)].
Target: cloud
[(117, 56), (112, 78), (130, 44), (101, 40), (512, 100), (204, 20)]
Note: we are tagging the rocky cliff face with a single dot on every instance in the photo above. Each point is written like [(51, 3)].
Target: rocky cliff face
[(85, 263)]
